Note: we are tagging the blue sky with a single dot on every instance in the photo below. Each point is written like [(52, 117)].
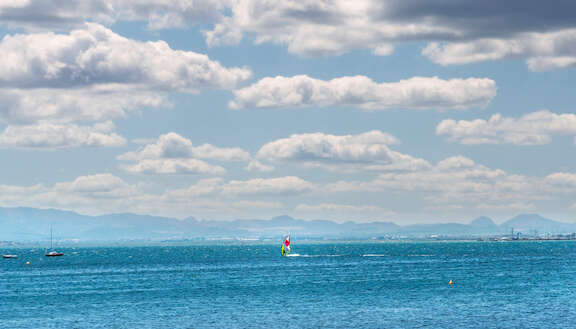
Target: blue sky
[(404, 111)]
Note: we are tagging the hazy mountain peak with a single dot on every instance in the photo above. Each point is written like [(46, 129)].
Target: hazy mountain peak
[(527, 222), (483, 221), (283, 219), (528, 219)]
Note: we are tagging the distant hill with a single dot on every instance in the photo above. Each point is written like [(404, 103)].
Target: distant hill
[(483, 222), (31, 224), (534, 222)]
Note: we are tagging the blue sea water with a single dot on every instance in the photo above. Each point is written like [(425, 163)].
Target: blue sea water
[(326, 285)]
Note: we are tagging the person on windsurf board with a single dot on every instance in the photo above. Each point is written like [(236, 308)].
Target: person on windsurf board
[(286, 246)]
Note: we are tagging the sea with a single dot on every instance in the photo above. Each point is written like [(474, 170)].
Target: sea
[(513, 284)]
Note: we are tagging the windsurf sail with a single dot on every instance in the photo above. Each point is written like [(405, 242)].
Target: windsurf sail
[(286, 245)]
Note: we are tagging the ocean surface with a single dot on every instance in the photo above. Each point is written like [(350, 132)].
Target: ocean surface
[(325, 285)]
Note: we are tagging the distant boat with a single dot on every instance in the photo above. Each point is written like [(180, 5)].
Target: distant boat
[(52, 253), (286, 246), (9, 256)]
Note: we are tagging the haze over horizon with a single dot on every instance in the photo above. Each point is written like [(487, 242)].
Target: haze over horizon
[(393, 111)]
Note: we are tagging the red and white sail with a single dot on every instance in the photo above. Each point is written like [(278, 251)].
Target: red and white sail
[(286, 245)]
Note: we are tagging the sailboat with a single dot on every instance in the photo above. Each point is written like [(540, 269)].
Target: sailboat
[(286, 245), (52, 252)]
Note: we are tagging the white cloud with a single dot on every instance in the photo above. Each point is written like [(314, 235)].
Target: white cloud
[(14, 3), (174, 154), (94, 74), (85, 193), (531, 129), (173, 145), (50, 136), (99, 103), (367, 151), (562, 179), (474, 31), (96, 55), (455, 181), (256, 165), (56, 14), (384, 50), (289, 185), (98, 184), (173, 167), (105, 193), (543, 51), (313, 28), (280, 186), (360, 91)]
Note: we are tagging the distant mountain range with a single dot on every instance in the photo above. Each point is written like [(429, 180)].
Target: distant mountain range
[(31, 224)]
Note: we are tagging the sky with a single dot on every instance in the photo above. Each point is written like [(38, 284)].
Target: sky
[(409, 111)]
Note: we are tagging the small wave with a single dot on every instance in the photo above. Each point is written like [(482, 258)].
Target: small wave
[(374, 255), (310, 256)]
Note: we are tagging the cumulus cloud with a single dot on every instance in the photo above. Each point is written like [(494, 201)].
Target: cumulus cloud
[(106, 193), (360, 91), (332, 27), (453, 181), (543, 51), (256, 165), (98, 184), (174, 154), (173, 167), (98, 193), (268, 186), (562, 179), (312, 28), (97, 55), (173, 145), (279, 186), (55, 14), (94, 74), (531, 129), (367, 151), (101, 103), (49, 135)]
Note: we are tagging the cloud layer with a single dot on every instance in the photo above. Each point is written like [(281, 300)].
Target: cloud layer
[(543, 51), (367, 151), (360, 91), (49, 135), (98, 103), (488, 30), (91, 74), (55, 14), (535, 128), (97, 55), (469, 32), (456, 182), (174, 154)]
